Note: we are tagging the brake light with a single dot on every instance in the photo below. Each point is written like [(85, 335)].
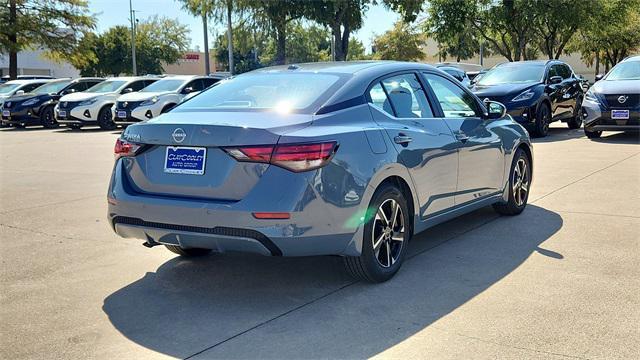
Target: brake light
[(125, 148), (294, 157)]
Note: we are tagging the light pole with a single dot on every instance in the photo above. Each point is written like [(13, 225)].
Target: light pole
[(132, 14), (207, 67)]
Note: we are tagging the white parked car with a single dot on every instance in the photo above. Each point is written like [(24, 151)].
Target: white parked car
[(158, 97), (93, 106)]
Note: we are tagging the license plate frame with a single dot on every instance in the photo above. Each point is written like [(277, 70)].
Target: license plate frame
[(620, 114), (62, 114), (185, 160), (121, 114), (6, 113)]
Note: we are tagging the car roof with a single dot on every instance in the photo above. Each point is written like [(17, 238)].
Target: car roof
[(130, 78), (343, 67), (182, 77), (88, 79), (632, 58), (29, 81)]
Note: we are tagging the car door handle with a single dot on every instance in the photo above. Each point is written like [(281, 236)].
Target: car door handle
[(462, 137), (402, 139)]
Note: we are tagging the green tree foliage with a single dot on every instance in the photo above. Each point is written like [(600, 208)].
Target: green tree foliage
[(356, 50), (400, 43), (610, 34), (56, 25), (557, 21), (158, 40)]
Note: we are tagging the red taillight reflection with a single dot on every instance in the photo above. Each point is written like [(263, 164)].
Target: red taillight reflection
[(124, 148), (295, 157), (272, 215)]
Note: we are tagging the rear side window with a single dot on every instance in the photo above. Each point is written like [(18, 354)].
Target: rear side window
[(282, 92), (401, 96), (454, 101)]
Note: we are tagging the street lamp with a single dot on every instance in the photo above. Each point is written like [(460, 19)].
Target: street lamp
[(132, 14)]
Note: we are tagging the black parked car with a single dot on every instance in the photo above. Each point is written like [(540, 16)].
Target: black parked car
[(457, 73), (36, 107), (535, 93), (613, 102)]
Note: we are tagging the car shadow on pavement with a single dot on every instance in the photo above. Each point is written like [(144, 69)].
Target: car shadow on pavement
[(619, 138), (187, 306), (560, 133)]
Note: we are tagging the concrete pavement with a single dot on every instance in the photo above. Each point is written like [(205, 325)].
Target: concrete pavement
[(561, 280)]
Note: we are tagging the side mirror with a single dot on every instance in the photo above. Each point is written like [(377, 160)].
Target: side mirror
[(187, 90), (495, 109), (555, 79), (599, 77), (127, 90), (20, 92)]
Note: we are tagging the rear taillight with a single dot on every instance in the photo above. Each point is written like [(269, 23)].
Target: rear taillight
[(125, 148), (295, 157)]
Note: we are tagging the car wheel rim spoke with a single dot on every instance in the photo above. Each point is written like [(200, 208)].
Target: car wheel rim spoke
[(520, 182), (388, 233)]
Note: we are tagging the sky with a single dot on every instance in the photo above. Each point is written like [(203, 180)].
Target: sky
[(116, 12)]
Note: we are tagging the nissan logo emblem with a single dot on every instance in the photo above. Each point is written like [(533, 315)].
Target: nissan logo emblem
[(179, 135), (622, 99)]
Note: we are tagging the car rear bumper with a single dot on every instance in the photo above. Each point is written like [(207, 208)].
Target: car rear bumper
[(230, 225)]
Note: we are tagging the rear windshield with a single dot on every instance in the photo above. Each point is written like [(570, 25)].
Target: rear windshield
[(282, 92)]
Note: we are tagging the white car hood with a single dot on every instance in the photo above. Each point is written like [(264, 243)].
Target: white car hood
[(141, 96), (80, 96)]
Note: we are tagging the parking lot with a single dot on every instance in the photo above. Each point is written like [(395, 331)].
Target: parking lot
[(560, 281)]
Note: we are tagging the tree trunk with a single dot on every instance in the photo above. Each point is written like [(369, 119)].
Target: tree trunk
[(13, 40), (229, 35), (281, 42), (341, 40), (597, 62)]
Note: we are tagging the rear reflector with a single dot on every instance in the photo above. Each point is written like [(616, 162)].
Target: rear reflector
[(271, 215), (295, 157), (125, 148)]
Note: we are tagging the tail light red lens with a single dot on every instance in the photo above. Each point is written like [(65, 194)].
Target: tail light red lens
[(295, 157), (125, 148)]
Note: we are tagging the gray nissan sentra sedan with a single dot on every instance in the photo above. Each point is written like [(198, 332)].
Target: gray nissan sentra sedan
[(348, 159)]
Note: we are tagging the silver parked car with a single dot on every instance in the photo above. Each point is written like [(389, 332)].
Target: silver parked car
[(348, 159)]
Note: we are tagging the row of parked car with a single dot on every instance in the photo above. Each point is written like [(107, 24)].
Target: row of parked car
[(95, 101), (535, 94)]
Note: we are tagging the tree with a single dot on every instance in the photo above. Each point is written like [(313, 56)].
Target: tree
[(451, 25), (610, 34), (56, 25), (399, 43), (158, 40), (558, 21), (342, 17), (356, 50)]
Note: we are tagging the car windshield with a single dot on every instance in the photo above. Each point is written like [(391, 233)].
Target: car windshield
[(106, 86), (625, 71), (7, 88), (164, 85), (51, 88), (513, 74), (284, 92)]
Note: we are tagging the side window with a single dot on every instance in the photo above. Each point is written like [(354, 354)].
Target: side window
[(565, 71), (406, 97), (553, 71), (136, 85), (27, 88), (79, 86), (92, 83), (454, 101), (149, 82), (209, 82), (379, 99), (195, 85)]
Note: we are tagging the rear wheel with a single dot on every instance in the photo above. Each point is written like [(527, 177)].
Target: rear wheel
[(189, 252), (519, 183), (47, 119), (543, 118), (576, 121), (105, 121), (385, 240)]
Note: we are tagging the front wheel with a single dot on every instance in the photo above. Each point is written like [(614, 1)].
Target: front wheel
[(47, 119), (576, 121), (188, 252), (519, 183), (386, 235), (543, 118), (105, 120)]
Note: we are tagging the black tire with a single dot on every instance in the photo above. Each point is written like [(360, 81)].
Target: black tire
[(576, 121), (592, 134), (543, 118), (380, 265), (517, 200), (188, 252), (105, 119), (47, 119), (166, 108)]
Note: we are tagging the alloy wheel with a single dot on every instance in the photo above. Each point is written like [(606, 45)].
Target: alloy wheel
[(388, 233), (520, 181)]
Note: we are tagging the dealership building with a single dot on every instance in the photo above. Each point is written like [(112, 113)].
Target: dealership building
[(34, 62)]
